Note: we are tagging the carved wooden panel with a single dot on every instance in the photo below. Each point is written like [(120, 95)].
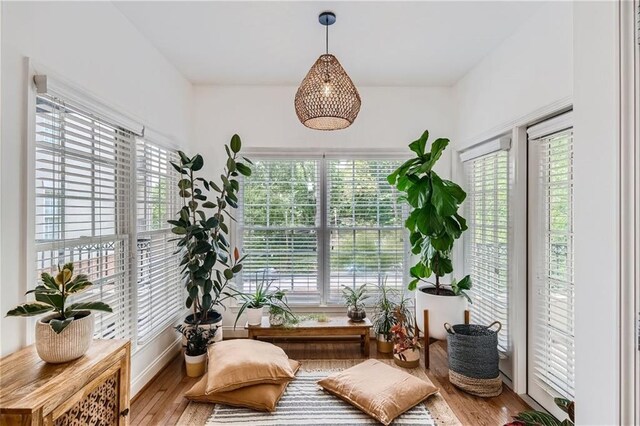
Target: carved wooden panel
[(98, 408)]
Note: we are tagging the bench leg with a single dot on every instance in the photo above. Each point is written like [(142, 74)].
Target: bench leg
[(365, 345)]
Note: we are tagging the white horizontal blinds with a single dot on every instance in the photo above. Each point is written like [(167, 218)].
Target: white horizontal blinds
[(364, 224), (83, 184), (553, 336), (158, 282), (487, 240), (279, 224)]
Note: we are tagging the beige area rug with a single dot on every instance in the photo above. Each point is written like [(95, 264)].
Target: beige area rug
[(197, 414)]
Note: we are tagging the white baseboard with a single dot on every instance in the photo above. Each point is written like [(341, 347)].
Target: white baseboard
[(138, 382)]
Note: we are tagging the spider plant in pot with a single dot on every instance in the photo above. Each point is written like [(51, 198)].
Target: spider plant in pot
[(67, 333), (354, 299), (197, 340), (253, 303), (384, 317), (406, 343), (434, 224), (208, 263)]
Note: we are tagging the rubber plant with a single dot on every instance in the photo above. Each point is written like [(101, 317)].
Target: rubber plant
[(52, 296), (542, 418), (208, 263), (434, 222)]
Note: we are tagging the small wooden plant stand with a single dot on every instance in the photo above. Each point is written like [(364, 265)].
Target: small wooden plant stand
[(428, 340)]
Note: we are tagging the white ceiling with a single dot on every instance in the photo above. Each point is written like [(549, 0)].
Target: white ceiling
[(378, 43)]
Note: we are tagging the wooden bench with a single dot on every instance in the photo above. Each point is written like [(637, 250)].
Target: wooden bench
[(335, 326)]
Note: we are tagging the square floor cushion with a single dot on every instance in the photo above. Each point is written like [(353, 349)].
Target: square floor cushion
[(380, 390), (235, 364), (257, 397)]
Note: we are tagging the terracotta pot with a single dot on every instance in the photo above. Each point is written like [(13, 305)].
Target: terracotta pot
[(254, 316), (196, 365), (409, 358), (383, 345), (441, 309), (70, 344), (356, 314)]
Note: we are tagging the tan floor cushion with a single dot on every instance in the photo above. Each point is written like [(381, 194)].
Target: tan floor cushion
[(380, 390), (257, 397), (238, 363)]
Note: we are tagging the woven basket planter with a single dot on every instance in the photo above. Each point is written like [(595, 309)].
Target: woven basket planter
[(473, 358), (70, 344)]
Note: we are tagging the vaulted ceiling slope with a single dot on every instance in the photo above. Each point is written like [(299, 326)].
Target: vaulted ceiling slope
[(274, 43)]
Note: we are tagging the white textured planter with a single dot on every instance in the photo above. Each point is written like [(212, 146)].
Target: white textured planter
[(196, 365), (70, 344), (254, 316), (441, 309)]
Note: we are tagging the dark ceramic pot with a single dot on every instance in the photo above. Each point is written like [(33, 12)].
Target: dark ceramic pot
[(356, 314)]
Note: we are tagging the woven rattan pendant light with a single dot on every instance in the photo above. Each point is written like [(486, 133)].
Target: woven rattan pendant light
[(327, 98)]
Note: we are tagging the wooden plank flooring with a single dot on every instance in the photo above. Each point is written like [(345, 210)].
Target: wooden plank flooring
[(162, 403)]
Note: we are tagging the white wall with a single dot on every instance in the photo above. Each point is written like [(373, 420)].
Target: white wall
[(529, 70), (597, 215), (264, 117), (96, 48)]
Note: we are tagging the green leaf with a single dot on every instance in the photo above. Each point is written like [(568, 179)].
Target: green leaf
[(183, 157), (178, 168), (235, 143), (179, 230), (184, 184), (444, 202), (53, 299), (197, 162), (87, 306), (537, 418), (208, 205), (29, 309), (436, 152), (58, 325), (231, 165), (243, 169), (48, 281), (228, 273), (413, 284), (79, 284), (428, 221)]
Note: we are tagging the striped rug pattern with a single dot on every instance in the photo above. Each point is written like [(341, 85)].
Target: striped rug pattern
[(305, 403)]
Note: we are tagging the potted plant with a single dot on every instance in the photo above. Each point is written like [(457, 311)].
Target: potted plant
[(354, 299), (385, 316), (406, 344), (434, 224), (263, 296), (281, 315), (208, 263), (197, 340), (67, 333)]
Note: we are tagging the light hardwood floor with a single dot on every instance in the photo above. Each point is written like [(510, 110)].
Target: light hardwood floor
[(162, 403)]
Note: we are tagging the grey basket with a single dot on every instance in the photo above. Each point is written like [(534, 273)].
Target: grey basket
[(473, 358)]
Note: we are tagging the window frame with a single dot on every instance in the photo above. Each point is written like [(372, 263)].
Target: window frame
[(323, 231)]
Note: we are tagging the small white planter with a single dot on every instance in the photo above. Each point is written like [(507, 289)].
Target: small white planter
[(196, 365), (70, 344), (254, 316), (441, 309)]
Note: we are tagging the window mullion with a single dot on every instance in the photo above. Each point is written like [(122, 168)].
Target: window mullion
[(324, 238)]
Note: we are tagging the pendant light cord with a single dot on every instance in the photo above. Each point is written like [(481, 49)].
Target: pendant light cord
[(327, 38)]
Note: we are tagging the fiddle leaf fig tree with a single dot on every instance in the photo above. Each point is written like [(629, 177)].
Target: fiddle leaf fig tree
[(208, 263), (434, 223)]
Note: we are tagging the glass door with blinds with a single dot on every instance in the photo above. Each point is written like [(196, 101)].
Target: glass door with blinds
[(486, 244), (551, 353)]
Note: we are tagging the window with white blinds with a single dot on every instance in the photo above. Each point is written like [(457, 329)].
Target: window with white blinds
[(365, 226), (487, 240), (82, 205), (552, 352), (160, 294), (312, 225), (279, 223)]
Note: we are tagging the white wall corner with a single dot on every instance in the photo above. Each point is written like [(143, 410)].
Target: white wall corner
[(145, 376)]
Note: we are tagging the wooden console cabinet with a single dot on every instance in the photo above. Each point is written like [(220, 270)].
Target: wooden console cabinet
[(92, 390)]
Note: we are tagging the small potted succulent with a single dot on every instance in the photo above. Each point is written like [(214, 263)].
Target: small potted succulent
[(67, 333), (384, 317), (281, 315), (406, 345), (197, 340), (263, 296), (354, 299)]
